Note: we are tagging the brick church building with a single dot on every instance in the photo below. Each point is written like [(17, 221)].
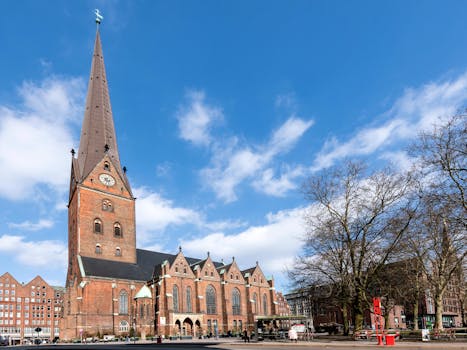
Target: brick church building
[(114, 288)]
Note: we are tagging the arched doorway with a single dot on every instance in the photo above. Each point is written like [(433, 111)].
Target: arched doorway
[(198, 329), (187, 327), (178, 328)]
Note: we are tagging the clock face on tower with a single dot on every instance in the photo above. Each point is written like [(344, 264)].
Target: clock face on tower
[(107, 179)]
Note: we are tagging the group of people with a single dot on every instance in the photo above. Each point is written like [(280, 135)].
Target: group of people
[(292, 334)]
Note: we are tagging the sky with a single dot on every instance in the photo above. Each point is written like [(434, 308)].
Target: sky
[(222, 110)]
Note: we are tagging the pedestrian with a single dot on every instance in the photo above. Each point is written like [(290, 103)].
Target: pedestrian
[(246, 337), (293, 336)]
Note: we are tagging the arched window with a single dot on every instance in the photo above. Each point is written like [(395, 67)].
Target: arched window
[(255, 302), (175, 298), (118, 251), (211, 300), (97, 226), (124, 326), (106, 165), (236, 302), (265, 304), (107, 205), (98, 249), (117, 230), (123, 303), (189, 308)]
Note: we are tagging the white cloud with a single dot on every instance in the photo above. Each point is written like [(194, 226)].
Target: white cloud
[(274, 244), (232, 164), (31, 226), (278, 187), (155, 213), (35, 139), (196, 119), (416, 110), (50, 254)]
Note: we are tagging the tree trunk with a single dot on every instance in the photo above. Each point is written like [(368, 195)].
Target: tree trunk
[(415, 314), (439, 311), (345, 319), (358, 311)]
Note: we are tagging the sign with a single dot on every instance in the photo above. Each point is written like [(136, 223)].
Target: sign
[(162, 321), (299, 328)]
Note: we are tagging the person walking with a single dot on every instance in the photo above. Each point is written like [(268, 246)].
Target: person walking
[(246, 337)]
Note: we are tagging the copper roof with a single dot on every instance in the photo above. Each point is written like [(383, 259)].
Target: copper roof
[(98, 132)]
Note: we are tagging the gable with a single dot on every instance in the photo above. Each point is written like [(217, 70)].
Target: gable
[(233, 274), (105, 177), (180, 267)]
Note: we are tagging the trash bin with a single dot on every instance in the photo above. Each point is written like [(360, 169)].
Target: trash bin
[(390, 339), (379, 338)]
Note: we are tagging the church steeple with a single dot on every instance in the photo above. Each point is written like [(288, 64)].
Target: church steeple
[(98, 133)]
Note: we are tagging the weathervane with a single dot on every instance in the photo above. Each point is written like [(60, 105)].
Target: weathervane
[(99, 17)]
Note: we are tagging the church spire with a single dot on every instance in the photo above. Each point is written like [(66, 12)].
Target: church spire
[(98, 133)]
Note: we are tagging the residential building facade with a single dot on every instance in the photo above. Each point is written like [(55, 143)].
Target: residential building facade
[(29, 311)]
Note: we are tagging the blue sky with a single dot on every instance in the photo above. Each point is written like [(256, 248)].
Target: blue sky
[(222, 109)]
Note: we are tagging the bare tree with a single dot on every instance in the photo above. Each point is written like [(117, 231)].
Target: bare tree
[(439, 237), (355, 224)]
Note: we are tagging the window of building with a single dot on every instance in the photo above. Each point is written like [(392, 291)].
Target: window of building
[(107, 165), (118, 252), (189, 307), (211, 305), (175, 298), (97, 226), (236, 302), (117, 230), (123, 303), (107, 205), (255, 299), (124, 326), (98, 249), (265, 304)]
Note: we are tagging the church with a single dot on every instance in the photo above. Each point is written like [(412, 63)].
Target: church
[(116, 289)]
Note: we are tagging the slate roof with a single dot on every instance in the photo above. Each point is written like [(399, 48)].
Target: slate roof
[(148, 262)]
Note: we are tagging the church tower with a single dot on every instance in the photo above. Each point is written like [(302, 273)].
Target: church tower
[(101, 210)]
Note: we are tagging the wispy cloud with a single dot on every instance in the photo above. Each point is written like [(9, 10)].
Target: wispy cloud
[(50, 254), (38, 136), (415, 111), (196, 118), (233, 163), (32, 226)]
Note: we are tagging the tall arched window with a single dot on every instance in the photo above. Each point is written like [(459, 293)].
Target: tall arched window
[(255, 302), (265, 304), (236, 302), (123, 303), (189, 307), (175, 298), (97, 226), (211, 300)]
